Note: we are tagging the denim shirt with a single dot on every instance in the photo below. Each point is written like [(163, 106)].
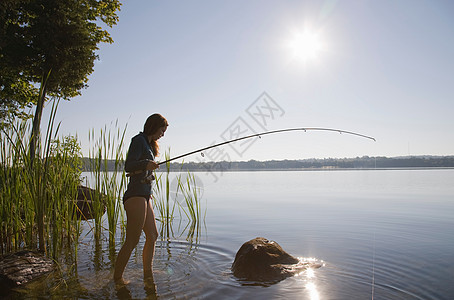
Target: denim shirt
[(137, 159)]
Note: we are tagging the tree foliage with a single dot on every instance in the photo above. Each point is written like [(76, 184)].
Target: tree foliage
[(55, 37)]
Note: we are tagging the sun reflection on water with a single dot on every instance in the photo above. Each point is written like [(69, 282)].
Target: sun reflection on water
[(308, 275), (312, 289)]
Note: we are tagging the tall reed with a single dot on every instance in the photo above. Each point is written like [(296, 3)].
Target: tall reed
[(166, 201), (161, 195), (35, 194), (14, 199), (109, 178), (190, 192)]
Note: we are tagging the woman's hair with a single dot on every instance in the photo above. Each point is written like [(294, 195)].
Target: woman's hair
[(152, 124)]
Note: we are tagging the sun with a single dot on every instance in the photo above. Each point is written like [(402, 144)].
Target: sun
[(305, 46)]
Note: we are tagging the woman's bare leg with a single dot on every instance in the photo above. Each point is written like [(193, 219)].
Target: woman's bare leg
[(136, 212), (151, 235)]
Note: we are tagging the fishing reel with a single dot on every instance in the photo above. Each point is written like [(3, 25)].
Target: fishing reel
[(148, 179)]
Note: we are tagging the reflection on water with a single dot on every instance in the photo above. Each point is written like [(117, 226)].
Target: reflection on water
[(384, 235), (309, 276), (91, 276), (123, 289), (312, 289)]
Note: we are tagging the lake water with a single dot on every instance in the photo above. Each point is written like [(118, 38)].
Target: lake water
[(381, 234)]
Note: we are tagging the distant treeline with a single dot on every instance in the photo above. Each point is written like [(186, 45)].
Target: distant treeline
[(364, 162)]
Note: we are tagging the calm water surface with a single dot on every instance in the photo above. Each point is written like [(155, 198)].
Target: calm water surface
[(382, 234)]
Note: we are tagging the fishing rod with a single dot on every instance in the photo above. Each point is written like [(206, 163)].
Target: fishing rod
[(265, 133), (305, 129)]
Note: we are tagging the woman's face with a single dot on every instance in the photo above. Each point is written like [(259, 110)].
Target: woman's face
[(159, 133)]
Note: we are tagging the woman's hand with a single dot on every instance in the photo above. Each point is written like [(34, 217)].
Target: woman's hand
[(152, 165)]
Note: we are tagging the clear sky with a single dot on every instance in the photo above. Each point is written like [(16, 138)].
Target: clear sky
[(380, 68)]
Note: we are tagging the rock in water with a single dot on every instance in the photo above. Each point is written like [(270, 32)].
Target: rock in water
[(21, 267), (85, 203), (263, 260)]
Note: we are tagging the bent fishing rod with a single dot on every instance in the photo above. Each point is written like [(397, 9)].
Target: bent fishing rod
[(305, 129), (264, 133)]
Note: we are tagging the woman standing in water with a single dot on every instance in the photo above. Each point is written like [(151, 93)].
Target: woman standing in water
[(137, 198)]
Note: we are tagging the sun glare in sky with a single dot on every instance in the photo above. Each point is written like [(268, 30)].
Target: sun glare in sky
[(305, 46)]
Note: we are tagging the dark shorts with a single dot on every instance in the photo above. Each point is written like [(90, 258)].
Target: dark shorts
[(147, 197), (137, 189)]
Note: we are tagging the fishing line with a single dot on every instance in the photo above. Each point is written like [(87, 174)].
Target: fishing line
[(373, 267)]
